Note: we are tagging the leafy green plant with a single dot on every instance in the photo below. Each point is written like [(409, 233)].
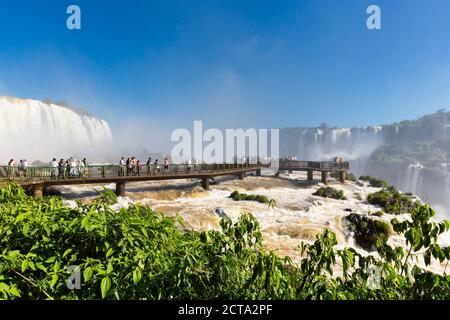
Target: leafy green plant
[(374, 182), (137, 253), (368, 231), (392, 201), (329, 192), (236, 196)]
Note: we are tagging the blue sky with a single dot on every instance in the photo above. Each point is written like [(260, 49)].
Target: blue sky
[(231, 63)]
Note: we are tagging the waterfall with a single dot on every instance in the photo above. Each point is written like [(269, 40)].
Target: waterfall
[(410, 180), (326, 143), (36, 130), (406, 154)]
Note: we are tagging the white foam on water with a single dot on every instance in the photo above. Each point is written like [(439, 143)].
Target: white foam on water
[(40, 131), (297, 217)]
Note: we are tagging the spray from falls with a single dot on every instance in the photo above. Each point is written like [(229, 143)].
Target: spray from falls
[(412, 178), (36, 130), (326, 143), (405, 154)]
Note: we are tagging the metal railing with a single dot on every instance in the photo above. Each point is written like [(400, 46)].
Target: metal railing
[(112, 170), (314, 165)]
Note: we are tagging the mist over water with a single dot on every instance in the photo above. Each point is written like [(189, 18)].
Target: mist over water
[(35, 130), (40, 131), (324, 143), (411, 155)]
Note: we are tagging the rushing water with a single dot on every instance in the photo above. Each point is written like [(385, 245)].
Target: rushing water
[(36, 130), (357, 145), (298, 215), (410, 178)]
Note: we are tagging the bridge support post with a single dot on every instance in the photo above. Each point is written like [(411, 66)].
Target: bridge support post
[(258, 172), (342, 176), (241, 175), (325, 177), (310, 175), (120, 188), (38, 190), (205, 183)]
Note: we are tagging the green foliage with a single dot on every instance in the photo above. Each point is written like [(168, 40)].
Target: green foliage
[(367, 231), (137, 253), (378, 213), (106, 196), (348, 176), (374, 182), (392, 201), (236, 196), (329, 192)]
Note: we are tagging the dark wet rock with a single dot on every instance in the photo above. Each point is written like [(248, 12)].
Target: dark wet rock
[(236, 196), (329, 192), (220, 213), (368, 231)]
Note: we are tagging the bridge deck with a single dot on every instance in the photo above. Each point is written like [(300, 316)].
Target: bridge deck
[(296, 165), (135, 178), (42, 176), (39, 177)]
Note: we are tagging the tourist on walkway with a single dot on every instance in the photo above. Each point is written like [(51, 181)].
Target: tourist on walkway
[(81, 167), (129, 166), (149, 165), (61, 169), (122, 166), (195, 164), (73, 168), (133, 166), (68, 162), (25, 168), (53, 169), (166, 164), (156, 166), (21, 170), (85, 169), (11, 169), (138, 167)]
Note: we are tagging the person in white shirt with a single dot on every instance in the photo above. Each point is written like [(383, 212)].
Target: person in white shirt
[(54, 169), (73, 168), (122, 166), (81, 167)]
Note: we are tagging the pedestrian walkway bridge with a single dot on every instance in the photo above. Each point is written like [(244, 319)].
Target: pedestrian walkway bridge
[(324, 167), (36, 178)]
